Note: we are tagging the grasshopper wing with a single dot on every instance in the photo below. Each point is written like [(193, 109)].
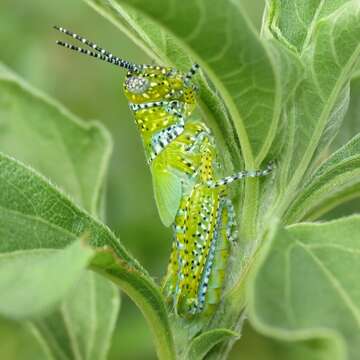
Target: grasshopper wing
[(168, 192)]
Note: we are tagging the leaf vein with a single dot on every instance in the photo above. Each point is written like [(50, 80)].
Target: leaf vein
[(334, 282)]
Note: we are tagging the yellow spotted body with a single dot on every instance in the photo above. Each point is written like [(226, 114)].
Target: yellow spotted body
[(204, 229), (190, 195), (196, 271)]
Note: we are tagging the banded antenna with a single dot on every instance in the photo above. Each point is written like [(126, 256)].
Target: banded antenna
[(101, 53)]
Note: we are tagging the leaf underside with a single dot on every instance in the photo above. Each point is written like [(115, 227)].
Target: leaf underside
[(307, 286)]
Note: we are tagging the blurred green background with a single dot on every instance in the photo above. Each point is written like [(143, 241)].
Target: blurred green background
[(92, 90)]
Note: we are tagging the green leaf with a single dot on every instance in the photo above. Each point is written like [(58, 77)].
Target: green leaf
[(320, 102), (203, 343), (289, 67), (28, 202), (38, 279), (290, 70), (26, 292), (30, 205), (17, 342), (336, 181), (351, 124), (253, 345), (218, 35), (41, 133), (307, 286), (294, 22), (74, 155), (81, 328), (144, 293), (105, 309)]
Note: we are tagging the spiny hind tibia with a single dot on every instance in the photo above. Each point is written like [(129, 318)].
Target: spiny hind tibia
[(190, 195)]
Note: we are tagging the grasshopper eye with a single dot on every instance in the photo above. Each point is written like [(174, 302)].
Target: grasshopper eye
[(137, 85)]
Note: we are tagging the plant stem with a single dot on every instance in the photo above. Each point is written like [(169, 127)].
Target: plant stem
[(250, 207)]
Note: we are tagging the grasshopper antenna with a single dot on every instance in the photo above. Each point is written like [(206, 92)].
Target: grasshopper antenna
[(100, 53)]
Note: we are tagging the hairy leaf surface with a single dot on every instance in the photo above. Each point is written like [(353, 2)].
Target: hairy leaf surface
[(321, 100), (307, 287), (28, 198), (41, 133), (336, 181), (26, 292), (82, 327)]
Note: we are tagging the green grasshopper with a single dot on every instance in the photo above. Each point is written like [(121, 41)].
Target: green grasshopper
[(190, 194)]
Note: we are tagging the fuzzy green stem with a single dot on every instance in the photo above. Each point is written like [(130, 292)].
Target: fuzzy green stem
[(250, 208)]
